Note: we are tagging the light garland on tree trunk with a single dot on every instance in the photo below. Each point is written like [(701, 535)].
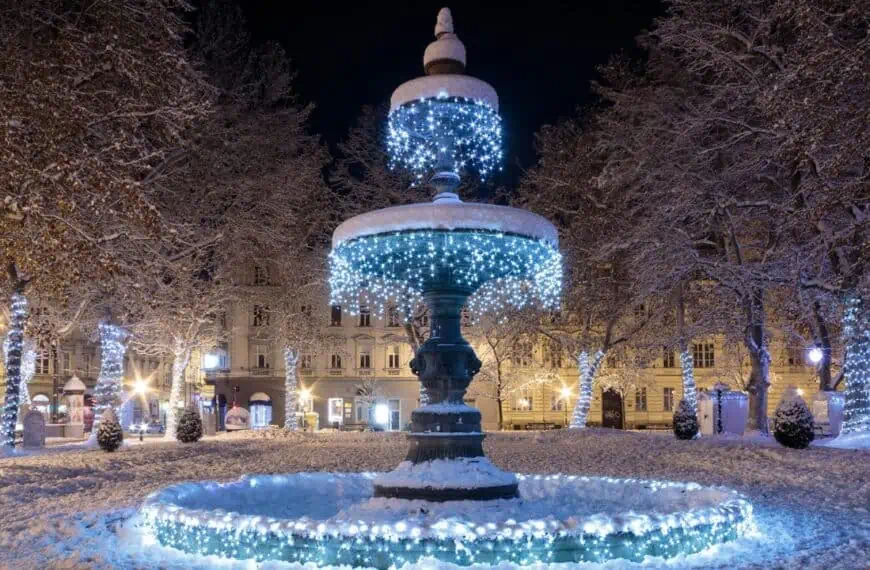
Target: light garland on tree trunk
[(15, 338), (107, 394), (176, 395), (690, 390), (587, 374), (291, 389), (856, 368)]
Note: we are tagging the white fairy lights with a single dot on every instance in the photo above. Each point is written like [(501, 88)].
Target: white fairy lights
[(499, 269), (18, 320), (453, 132), (717, 515), (856, 332), (291, 389), (690, 390), (587, 370), (107, 394)]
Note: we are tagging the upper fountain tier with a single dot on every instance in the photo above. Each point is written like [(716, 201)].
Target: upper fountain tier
[(444, 63)]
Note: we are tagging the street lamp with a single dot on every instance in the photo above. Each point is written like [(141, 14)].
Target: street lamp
[(140, 387), (815, 355), (304, 397)]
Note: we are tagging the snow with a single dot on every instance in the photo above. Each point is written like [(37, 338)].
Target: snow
[(452, 85), (447, 214), (848, 441), (76, 508), (448, 408), (461, 473)]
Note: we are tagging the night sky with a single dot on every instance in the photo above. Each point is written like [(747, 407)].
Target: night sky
[(539, 56)]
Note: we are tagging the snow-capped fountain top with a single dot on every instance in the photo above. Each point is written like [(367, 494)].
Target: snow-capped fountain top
[(444, 62)]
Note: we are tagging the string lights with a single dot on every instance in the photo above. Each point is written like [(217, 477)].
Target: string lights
[(698, 518), (690, 391), (499, 269), (856, 368), (445, 131), (291, 390), (588, 370), (15, 338), (107, 393)]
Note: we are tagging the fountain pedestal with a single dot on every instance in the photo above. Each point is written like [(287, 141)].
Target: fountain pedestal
[(445, 460)]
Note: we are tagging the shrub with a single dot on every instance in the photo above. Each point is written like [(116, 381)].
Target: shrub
[(793, 424), (109, 433), (189, 427), (685, 421)]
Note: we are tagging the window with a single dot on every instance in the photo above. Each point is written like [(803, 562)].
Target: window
[(365, 359), (611, 362), (335, 316), (393, 357), (262, 356), (42, 363), (362, 412), (557, 402), (261, 316), (522, 401), (305, 310), (640, 400), (523, 353), (66, 363), (668, 359), (365, 317), (640, 312), (794, 356), (85, 364), (261, 275), (668, 398), (305, 362), (552, 353), (703, 355), (395, 406), (335, 410), (392, 317), (335, 361), (424, 320)]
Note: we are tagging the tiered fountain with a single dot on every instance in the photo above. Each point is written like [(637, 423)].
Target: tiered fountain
[(446, 500)]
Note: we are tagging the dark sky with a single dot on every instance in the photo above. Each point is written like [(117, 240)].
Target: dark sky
[(539, 56)]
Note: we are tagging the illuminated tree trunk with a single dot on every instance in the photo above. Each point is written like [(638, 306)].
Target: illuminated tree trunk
[(291, 389), (588, 370), (19, 313), (687, 367), (856, 368), (107, 394), (176, 391)]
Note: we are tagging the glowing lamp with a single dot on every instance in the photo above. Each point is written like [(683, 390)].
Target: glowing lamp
[(140, 386), (382, 414), (210, 361), (815, 355)]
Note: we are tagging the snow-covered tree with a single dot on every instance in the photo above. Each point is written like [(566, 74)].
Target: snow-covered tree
[(686, 421), (189, 426)]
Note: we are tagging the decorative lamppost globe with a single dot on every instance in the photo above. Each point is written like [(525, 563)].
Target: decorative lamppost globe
[(447, 254)]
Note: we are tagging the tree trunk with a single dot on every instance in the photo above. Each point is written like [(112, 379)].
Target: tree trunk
[(499, 403), (176, 391), (291, 389), (107, 394), (823, 339), (588, 370), (687, 368), (856, 367), (759, 358), (18, 321)]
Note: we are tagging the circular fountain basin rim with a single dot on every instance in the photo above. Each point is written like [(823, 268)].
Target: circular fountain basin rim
[(447, 216)]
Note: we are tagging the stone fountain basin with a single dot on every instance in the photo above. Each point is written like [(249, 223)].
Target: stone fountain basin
[(332, 519)]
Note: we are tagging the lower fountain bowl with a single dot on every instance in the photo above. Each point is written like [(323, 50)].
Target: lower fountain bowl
[(333, 519)]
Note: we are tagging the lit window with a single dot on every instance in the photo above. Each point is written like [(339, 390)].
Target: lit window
[(640, 400), (522, 401), (703, 355), (668, 398)]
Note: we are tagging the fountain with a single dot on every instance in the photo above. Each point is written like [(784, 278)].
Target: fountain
[(446, 499)]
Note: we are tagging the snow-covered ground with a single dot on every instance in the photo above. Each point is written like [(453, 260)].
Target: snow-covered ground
[(75, 508)]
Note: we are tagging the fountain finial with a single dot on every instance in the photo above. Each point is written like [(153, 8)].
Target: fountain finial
[(446, 55)]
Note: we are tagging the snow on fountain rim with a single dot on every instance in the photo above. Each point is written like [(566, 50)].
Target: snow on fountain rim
[(447, 212), (192, 505), (444, 85), (459, 473)]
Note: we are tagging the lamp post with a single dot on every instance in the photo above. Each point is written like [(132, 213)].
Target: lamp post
[(140, 388), (304, 396)]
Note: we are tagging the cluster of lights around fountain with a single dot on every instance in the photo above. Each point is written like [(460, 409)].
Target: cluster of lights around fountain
[(418, 130), (391, 269), (593, 538)]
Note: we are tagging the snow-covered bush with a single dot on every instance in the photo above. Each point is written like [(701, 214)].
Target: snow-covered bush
[(793, 424), (189, 427), (109, 433), (685, 421)]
